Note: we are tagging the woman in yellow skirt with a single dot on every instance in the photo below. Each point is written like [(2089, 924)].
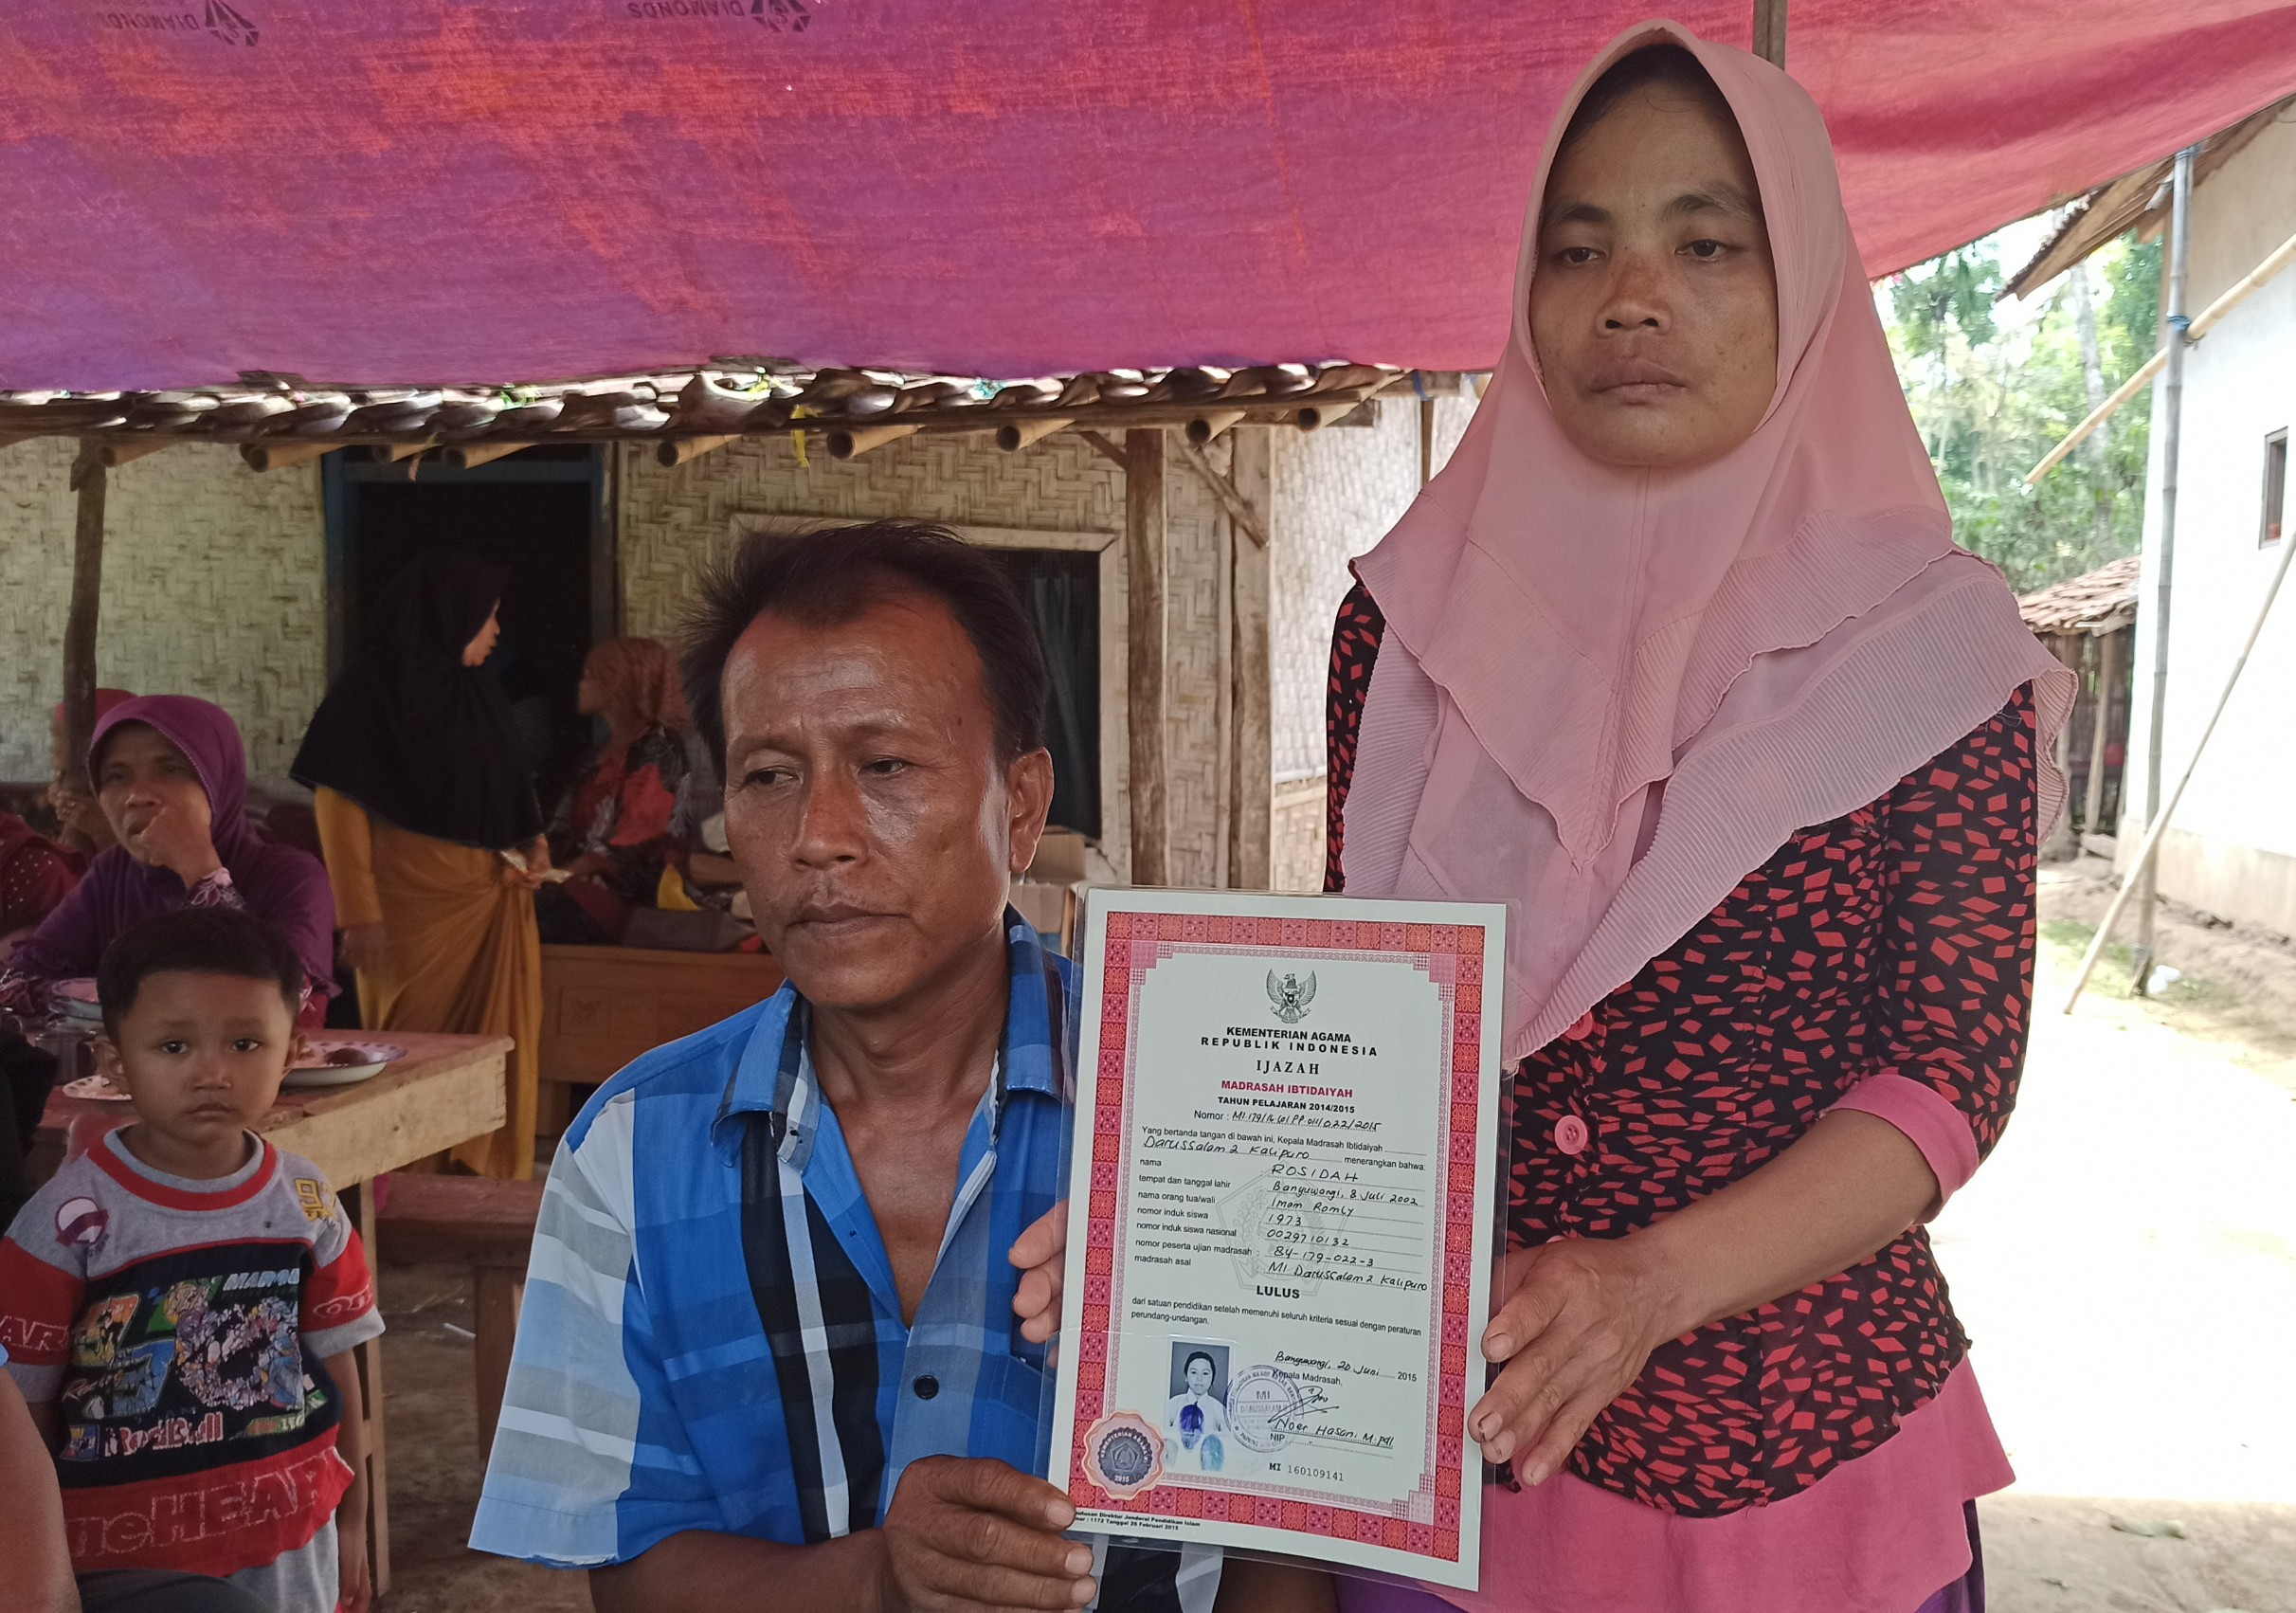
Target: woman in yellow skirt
[(433, 838)]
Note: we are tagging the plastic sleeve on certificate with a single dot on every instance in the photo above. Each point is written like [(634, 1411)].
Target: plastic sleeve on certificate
[(1280, 1226)]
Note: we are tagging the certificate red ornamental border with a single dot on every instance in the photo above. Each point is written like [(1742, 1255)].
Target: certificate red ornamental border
[(1138, 941)]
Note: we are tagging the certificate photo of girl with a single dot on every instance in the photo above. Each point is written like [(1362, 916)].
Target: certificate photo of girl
[(1196, 1418), (1678, 653)]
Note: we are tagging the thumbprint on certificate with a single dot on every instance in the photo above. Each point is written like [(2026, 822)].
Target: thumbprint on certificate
[(1195, 1434)]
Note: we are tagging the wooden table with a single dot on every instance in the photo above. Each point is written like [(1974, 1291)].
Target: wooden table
[(447, 1090), (602, 1007)]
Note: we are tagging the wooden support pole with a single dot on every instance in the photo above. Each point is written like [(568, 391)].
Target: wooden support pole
[(1145, 568), (1770, 32), (498, 1293), (1426, 441), (2109, 673), (1251, 778), (278, 456), (394, 452), (1106, 449), (88, 477), (367, 1362), (1246, 518), (683, 450)]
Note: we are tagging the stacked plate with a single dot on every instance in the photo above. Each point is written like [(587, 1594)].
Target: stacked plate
[(76, 1001)]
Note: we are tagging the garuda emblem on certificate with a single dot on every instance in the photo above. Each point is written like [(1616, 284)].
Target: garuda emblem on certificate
[(1291, 996)]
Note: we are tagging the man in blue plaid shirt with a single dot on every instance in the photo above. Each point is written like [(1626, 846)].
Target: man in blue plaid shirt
[(770, 1354)]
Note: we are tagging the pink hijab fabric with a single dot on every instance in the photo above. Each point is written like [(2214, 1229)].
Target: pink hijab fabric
[(1608, 695)]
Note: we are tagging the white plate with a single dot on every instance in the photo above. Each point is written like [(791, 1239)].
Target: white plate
[(94, 1087), (376, 1056)]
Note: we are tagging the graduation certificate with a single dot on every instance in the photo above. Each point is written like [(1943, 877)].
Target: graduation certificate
[(1279, 1225)]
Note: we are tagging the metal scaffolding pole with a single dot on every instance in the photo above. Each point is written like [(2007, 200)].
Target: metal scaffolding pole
[(2172, 432)]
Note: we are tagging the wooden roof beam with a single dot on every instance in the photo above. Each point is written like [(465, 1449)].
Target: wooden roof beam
[(118, 452), (846, 442), (280, 455), (469, 456), (684, 450), (1245, 518), (1015, 435)]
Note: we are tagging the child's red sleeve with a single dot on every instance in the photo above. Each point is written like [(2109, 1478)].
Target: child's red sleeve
[(338, 1302), (38, 1304)]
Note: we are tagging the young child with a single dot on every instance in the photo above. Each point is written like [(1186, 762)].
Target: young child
[(180, 1302)]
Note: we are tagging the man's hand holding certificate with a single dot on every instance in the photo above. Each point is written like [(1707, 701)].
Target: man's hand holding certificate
[(1279, 1240)]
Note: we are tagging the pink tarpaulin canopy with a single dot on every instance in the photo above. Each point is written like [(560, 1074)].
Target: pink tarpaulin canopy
[(376, 191)]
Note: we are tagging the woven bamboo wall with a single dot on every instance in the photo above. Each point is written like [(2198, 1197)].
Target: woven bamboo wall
[(670, 519), (214, 585), (215, 580), (1337, 493), (1297, 845)]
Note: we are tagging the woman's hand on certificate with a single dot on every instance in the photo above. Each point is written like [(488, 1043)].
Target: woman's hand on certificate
[(1039, 1252), (1583, 1318)]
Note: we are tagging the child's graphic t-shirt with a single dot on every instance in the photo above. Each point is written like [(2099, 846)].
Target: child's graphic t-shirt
[(179, 1325)]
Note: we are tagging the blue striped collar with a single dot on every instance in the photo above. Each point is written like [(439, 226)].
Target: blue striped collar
[(774, 1075)]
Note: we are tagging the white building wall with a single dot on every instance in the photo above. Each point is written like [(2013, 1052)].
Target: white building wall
[(214, 585), (2231, 850)]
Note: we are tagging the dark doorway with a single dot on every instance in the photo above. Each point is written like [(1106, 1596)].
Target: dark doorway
[(1061, 588), (541, 514)]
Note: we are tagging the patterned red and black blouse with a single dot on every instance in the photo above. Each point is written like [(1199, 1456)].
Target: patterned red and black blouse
[(1896, 940)]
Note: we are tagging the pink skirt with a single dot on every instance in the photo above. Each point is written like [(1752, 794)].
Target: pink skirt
[(1965, 1595)]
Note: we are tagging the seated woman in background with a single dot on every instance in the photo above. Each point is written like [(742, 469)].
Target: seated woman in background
[(36, 875), (170, 777), (624, 826)]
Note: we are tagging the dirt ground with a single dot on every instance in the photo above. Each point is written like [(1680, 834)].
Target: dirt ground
[(432, 1448), (2125, 1263)]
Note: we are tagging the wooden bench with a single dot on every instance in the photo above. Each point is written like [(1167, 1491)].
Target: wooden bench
[(480, 1223), (602, 1007)]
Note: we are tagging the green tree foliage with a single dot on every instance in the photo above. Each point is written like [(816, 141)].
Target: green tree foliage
[(1992, 396)]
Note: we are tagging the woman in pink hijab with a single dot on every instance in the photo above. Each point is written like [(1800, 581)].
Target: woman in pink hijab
[(1678, 656)]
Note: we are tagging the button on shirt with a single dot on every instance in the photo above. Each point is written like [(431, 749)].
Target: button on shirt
[(645, 1397)]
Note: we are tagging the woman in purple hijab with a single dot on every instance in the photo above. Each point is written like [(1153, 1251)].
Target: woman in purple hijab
[(170, 773)]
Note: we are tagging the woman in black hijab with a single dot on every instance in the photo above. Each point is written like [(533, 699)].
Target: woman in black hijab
[(433, 837)]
